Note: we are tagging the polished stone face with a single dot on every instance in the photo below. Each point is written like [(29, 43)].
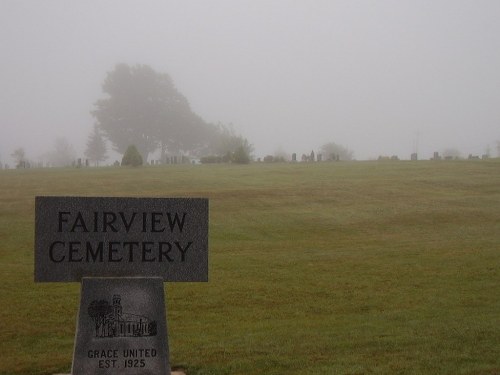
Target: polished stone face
[(121, 328), (78, 237)]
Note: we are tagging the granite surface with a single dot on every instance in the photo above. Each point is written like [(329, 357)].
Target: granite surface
[(78, 237), (121, 328)]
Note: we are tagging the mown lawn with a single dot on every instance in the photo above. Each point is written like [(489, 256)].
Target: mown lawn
[(325, 268)]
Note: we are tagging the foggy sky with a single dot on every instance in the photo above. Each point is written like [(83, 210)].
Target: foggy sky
[(374, 76)]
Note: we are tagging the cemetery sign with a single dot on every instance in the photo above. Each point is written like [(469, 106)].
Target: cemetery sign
[(121, 250), (78, 237)]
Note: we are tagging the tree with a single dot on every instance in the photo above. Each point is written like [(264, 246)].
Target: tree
[(228, 143), (132, 157), (144, 108), (333, 151), (96, 147), (452, 153), (19, 156), (63, 153), (280, 155), (241, 156)]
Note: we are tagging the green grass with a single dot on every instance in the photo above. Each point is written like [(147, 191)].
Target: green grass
[(331, 268)]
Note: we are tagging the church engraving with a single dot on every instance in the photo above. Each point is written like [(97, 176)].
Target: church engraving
[(111, 321)]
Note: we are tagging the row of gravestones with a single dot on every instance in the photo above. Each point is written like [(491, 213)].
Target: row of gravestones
[(171, 160), (79, 163), (312, 157), (25, 164), (121, 250), (436, 156), (305, 158), (168, 160)]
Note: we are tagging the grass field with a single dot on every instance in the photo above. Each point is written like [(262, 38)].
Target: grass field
[(326, 268)]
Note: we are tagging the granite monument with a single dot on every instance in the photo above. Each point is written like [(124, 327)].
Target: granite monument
[(121, 250)]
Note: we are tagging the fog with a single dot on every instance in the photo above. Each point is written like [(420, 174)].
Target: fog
[(379, 77)]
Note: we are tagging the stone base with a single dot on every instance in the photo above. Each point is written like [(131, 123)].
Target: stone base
[(135, 323)]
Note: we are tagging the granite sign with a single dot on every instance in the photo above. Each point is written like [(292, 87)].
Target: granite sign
[(79, 237), (121, 250)]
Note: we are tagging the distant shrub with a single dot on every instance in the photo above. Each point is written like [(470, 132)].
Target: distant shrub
[(131, 157), (211, 159), (241, 156), (387, 158)]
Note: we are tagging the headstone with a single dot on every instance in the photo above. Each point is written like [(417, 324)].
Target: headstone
[(121, 249), (320, 157), (414, 156), (294, 157)]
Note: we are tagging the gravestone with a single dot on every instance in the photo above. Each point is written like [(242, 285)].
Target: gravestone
[(121, 250)]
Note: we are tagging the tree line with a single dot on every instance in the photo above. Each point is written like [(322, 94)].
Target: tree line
[(142, 113)]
